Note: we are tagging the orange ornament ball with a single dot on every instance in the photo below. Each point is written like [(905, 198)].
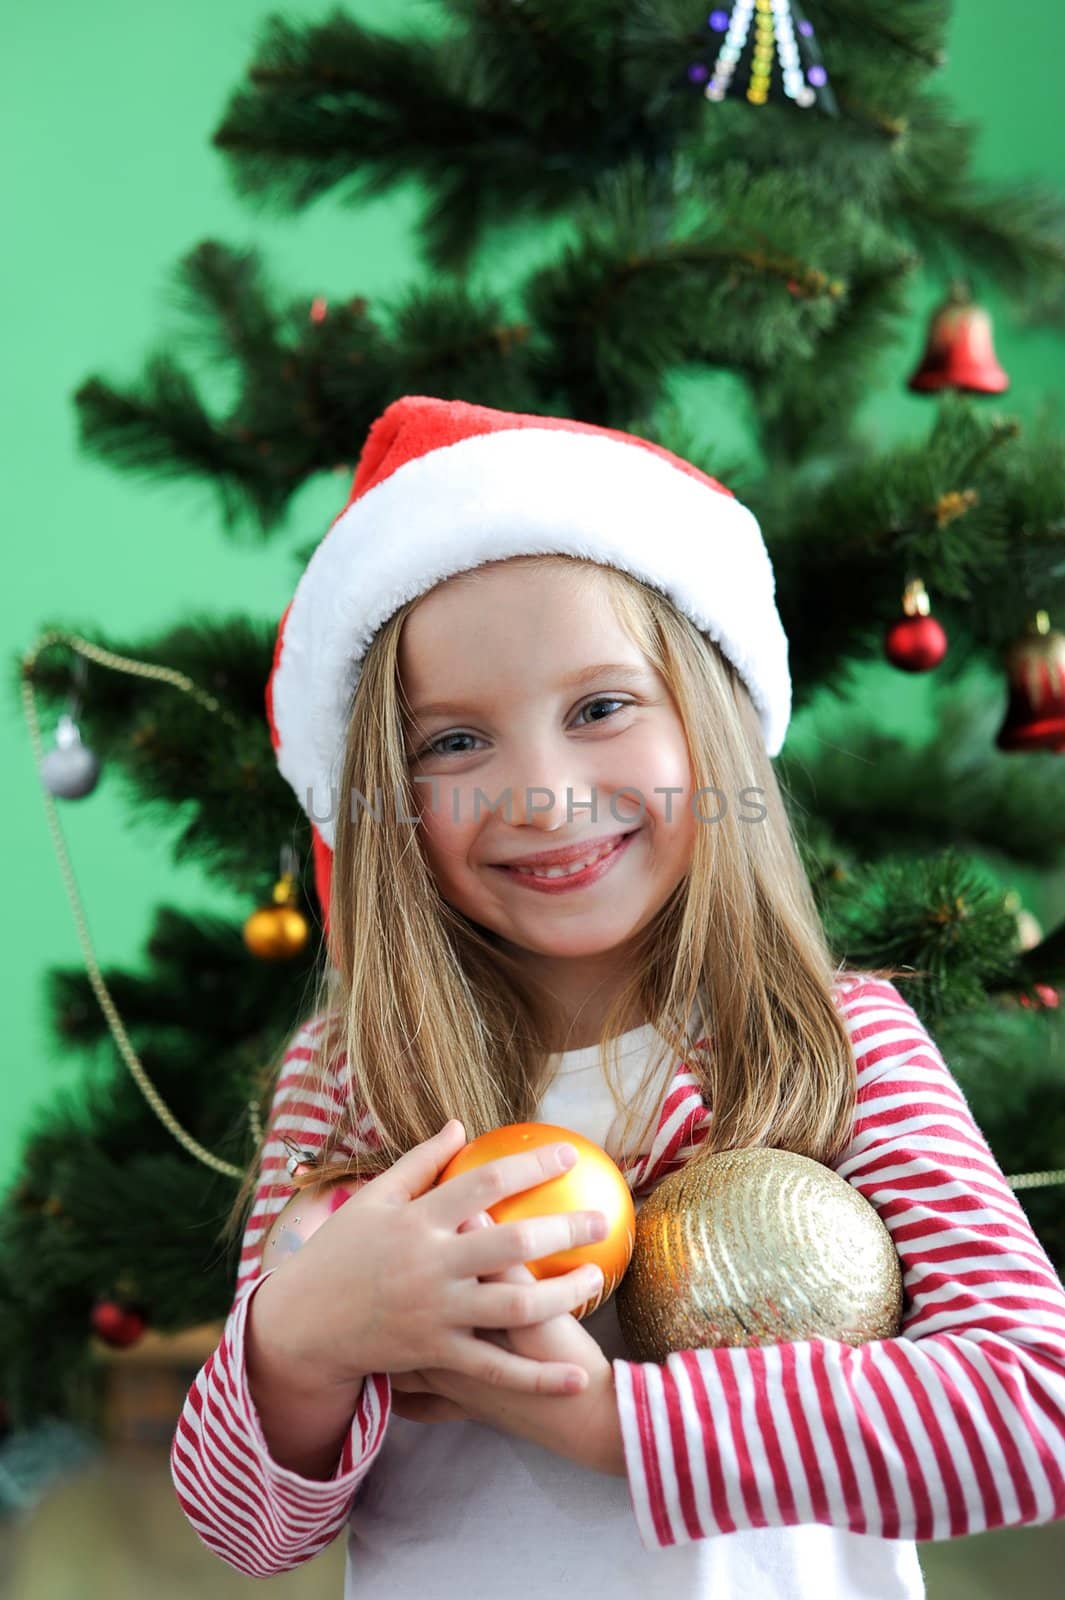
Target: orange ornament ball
[(594, 1183)]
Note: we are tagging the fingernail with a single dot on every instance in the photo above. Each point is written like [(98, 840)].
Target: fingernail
[(574, 1382), (567, 1156)]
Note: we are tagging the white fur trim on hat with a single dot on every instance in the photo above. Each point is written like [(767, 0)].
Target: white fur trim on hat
[(520, 491)]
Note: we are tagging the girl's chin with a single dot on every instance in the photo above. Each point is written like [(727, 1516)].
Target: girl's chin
[(562, 944)]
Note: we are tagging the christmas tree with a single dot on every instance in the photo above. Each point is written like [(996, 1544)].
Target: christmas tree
[(748, 192)]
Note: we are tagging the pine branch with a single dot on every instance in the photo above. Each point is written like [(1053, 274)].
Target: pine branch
[(860, 785), (307, 385), (340, 105), (974, 510), (721, 278), (197, 967), (811, 405), (913, 28), (1016, 234), (226, 301), (941, 916), (160, 428)]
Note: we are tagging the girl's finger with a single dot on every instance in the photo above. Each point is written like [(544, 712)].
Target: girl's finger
[(489, 1363), (477, 1251), (518, 1273), (481, 1220), (492, 1305)]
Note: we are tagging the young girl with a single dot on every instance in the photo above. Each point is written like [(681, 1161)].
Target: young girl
[(528, 691)]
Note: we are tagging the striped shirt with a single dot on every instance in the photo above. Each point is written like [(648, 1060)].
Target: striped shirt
[(955, 1426)]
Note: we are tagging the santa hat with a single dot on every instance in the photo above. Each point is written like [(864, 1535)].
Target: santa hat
[(442, 486)]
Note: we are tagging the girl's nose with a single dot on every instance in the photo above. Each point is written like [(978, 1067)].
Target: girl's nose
[(550, 788), (552, 805)]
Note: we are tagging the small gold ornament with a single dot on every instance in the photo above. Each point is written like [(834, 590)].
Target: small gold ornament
[(757, 1246), (280, 931)]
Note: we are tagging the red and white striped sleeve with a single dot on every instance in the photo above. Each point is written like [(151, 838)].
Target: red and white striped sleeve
[(955, 1426), (260, 1517)]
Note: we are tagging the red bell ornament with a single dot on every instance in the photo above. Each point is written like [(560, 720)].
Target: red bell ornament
[(916, 642), (959, 352), (1035, 667)]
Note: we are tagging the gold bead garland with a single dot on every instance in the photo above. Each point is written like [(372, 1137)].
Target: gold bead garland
[(140, 669)]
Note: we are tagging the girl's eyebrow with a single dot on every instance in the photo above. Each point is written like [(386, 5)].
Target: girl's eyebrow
[(628, 670)]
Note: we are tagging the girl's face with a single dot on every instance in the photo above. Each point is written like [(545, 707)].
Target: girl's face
[(498, 673)]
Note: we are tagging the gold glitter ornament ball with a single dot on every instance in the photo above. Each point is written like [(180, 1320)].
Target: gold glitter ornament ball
[(757, 1247)]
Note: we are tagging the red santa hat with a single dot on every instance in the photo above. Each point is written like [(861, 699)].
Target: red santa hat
[(442, 486)]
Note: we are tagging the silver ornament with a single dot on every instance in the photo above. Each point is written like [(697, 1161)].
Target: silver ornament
[(71, 770)]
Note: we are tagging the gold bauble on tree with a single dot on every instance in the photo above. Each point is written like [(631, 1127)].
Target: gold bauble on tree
[(278, 932), (757, 1246)]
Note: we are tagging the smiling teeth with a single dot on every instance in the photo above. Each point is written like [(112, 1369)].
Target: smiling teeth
[(566, 872)]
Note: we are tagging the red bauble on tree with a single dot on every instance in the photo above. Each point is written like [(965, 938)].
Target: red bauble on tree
[(916, 642), (116, 1324)]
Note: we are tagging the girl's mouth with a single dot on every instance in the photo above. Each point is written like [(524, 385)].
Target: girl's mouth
[(558, 880)]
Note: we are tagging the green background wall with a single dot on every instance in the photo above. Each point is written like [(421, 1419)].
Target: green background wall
[(110, 109)]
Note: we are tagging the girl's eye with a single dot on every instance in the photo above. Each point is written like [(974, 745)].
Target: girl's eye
[(603, 700), (434, 746)]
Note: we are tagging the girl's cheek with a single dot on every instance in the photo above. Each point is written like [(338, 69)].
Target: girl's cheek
[(439, 803)]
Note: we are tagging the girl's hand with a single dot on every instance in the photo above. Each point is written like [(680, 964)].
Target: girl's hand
[(583, 1427), (419, 1397), (391, 1283), (561, 1338)]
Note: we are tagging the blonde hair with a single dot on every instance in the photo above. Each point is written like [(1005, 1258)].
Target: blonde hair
[(434, 1018)]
